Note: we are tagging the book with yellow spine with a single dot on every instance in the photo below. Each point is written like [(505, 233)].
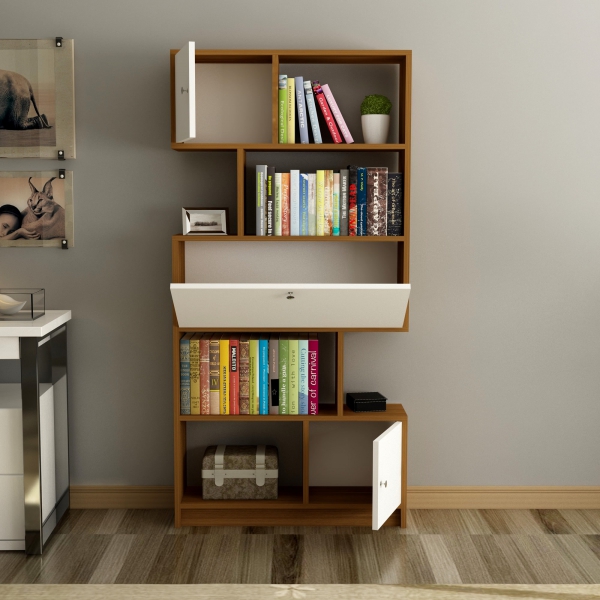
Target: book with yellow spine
[(224, 372), (328, 202), (293, 374), (291, 111), (195, 374), (254, 375), (320, 202)]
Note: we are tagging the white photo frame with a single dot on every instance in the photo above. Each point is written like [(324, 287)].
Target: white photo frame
[(205, 221)]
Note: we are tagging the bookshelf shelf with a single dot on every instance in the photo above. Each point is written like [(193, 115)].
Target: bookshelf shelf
[(201, 124)]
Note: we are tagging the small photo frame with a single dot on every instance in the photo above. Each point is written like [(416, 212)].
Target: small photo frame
[(205, 221)]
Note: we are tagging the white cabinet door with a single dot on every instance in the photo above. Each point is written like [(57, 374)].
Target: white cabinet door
[(47, 449), (387, 474), (185, 93)]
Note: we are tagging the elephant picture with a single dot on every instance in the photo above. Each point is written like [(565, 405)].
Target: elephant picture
[(16, 100)]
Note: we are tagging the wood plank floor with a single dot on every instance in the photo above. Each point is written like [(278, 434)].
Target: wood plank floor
[(437, 547)]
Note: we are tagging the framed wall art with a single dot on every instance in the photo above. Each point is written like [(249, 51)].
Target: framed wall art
[(205, 221), (37, 104), (36, 209)]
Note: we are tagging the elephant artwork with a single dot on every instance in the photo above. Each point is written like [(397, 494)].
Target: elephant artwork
[(16, 100)]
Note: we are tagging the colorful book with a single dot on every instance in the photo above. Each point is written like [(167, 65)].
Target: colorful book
[(328, 202), (254, 375), (337, 114), (312, 112), (361, 201), (263, 375), (377, 201), (244, 375), (205, 374), (293, 374), (285, 204), (184, 374), (234, 375), (312, 204), (282, 109), (395, 203), (313, 374), (224, 359), (195, 374), (215, 379), (301, 109), (277, 209), (336, 204), (274, 374), (303, 374), (329, 119), (294, 202), (261, 200), (320, 202), (270, 194), (291, 111), (284, 346), (352, 192), (304, 204), (344, 176)]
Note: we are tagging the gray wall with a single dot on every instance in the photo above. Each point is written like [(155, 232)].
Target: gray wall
[(499, 373)]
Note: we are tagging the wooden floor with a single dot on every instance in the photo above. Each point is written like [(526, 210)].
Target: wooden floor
[(443, 547)]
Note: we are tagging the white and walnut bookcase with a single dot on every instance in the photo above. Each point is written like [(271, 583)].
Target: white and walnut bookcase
[(208, 115)]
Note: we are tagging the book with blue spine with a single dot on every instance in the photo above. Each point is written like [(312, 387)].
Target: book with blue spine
[(301, 110), (303, 374), (361, 201), (261, 200), (311, 108), (184, 373), (303, 203), (263, 357), (294, 202)]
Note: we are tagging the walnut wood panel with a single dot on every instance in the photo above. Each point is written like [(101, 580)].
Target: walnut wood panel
[(288, 497), (296, 238), (294, 329), (276, 147)]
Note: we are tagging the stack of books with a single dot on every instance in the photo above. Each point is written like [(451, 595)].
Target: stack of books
[(297, 106), (357, 201), (252, 374)]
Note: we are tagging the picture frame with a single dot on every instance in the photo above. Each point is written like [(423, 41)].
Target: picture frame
[(37, 78), (205, 221), (44, 200)]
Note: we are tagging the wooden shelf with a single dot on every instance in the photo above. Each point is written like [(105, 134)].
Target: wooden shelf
[(289, 497), (296, 238), (186, 147)]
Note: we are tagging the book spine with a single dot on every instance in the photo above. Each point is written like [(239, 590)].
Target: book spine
[(361, 201), (224, 371), (336, 204), (244, 377), (328, 202), (215, 378), (277, 211), (352, 191), (283, 377), (337, 113), (282, 109), (377, 201), (194, 376), (261, 177), (303, 377), (303, 203), (293, 376), (285, 204), (184, 376), (343, 201), (312, 112), (263, 350), (320, 202), (291, 111), (254, 375), (329, 120), (301, 108), (395, 203), (312, 204), (234, 376), (270, 193), (274, 375), (204, 377), (294, 202), (313, 375)]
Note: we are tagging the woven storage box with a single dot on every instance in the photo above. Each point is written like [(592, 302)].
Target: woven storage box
[(240, 473)]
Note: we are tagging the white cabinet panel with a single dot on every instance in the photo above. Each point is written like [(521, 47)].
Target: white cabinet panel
[(9, 348), (11, 429), (185, 93), (387, 474), (12, 510), (47, 450)]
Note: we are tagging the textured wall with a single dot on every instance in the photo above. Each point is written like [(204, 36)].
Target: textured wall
[(499, 374)]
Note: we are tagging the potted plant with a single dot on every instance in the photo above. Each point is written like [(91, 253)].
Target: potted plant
[(375, 118)]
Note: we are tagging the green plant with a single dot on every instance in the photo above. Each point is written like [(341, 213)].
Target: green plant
[(375, 104)]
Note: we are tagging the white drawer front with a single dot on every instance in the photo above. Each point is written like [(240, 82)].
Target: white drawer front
[(11, 429), (9, 348), (12, 508)]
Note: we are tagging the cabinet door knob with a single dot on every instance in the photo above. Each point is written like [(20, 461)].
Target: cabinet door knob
[(383, 483), (290, 296), (184, 90)]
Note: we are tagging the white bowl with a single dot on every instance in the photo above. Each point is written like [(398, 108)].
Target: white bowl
[(10, 306)]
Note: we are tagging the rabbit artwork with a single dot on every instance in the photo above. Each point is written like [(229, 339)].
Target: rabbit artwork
[(43, 215), (16, 98)]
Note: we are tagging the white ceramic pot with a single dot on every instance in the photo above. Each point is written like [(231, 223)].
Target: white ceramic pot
[(375, 128)]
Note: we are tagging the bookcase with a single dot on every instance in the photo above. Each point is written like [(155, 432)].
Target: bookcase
[(204, 119)]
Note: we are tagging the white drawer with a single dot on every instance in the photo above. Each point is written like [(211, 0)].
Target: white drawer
[(12, 511), (11, 429), (9, 348)]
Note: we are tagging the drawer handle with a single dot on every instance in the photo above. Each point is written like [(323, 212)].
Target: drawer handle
[(290, 296), (383, 483), (184, 90)]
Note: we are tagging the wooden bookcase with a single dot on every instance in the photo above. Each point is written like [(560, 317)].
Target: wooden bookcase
[(302, 505)]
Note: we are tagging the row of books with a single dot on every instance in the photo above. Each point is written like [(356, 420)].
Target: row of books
[(258, 374), (297, 99), (357, 201)]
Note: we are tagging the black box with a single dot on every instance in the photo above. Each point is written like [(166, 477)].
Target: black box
[(366, 402)]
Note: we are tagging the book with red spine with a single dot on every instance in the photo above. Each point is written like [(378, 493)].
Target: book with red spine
[(313, 374), (234, 375), (244, 376), (352, 196), (205, 374), (285, 204), (329, 119), (337, 114)]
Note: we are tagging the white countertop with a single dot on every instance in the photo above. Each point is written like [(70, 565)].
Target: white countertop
[(38, 328)]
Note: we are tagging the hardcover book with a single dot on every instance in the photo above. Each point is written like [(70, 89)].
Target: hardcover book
[(184, 374), (282, 109), (377, 200), (244, 375), (328, 202), (215, 379), (395, 201), (254, 375), (329, 120), (224, 373), (352, 208), (337, 113), (277, 210), (195, 374), (312, 112), (274, 374), (261, 177), (301, 108), (270, 192), (284, 346), (291, 111), (344, 176), (293, 374), (294, 202), (285, 204), (234, 375), (312, 204), (263, 375), (361, 201), (336, 204), (205, 374), (313, 374), (320, 202), (303, 203), (303, 374)]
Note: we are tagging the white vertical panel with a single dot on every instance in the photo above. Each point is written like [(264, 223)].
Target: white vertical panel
[(9, 348), (47, 451), (185, 93), (11, 429), (12, 509), (387, 469)]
